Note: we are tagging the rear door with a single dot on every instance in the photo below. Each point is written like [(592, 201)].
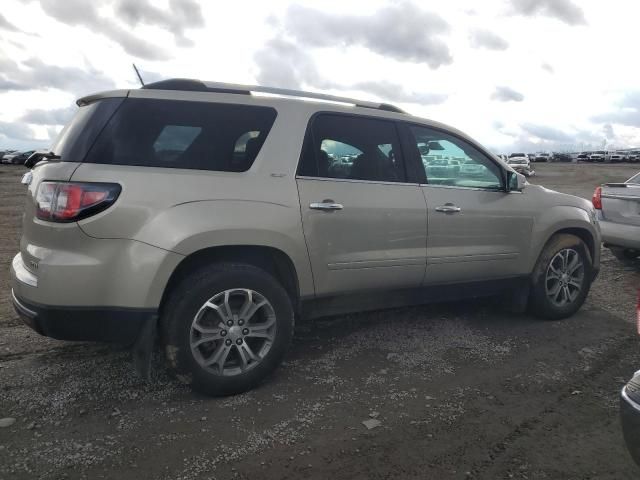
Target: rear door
[(364, 223)]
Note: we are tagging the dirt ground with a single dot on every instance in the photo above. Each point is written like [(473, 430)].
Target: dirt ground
[(461, 391)]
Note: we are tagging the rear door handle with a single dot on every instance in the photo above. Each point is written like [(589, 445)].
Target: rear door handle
[(449, 208), (326, 205)]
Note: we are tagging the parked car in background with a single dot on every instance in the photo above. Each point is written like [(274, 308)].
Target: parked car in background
[(542, 157), (598, 156), (8, 156), (261, 228), (583, 157), (439, 168), (617, 157), (20, 158), (618, 210), (521, 165), (630, 407), (472, 169), (561, 157)]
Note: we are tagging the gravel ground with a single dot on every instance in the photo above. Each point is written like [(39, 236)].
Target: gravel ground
[(443, 391)]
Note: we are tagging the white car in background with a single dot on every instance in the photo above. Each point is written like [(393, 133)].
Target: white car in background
[(521, 165), (617, 157), (8, 156)]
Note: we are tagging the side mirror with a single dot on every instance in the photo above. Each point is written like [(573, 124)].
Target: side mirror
[(515, 181)]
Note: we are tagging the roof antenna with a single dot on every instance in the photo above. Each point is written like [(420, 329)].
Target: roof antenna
[(138, 73)]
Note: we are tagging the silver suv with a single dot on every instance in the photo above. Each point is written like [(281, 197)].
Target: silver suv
[(218, 216)]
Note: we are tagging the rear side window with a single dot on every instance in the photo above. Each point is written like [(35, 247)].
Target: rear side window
[(181, 134), (351, 147)]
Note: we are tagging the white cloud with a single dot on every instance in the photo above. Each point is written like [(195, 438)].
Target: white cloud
[(445, 64), (506, 94)]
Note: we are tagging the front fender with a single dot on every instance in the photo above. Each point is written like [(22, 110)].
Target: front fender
[(562, 218)]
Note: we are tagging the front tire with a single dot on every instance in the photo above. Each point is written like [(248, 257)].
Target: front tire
[(226, 327), (562, 278)]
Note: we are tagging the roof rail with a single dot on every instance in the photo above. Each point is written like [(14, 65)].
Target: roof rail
[(216, 87)]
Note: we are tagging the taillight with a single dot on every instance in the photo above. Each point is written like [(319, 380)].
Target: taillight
[(72, 201), (597, 198)]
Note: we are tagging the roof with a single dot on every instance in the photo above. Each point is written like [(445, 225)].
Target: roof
[(191, 85)]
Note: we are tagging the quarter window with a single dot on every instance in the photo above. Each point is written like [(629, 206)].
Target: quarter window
[(356, 148), (447, 160), (183, 134)]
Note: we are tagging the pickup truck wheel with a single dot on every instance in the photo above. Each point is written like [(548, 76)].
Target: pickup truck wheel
[(226, 328), (562, 278)]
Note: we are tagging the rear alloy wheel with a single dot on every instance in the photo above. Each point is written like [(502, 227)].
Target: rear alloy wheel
[(562, 278), (233, 332), (226, 327)]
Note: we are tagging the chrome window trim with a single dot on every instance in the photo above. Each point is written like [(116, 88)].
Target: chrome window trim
[(354, 180), (493, 190)]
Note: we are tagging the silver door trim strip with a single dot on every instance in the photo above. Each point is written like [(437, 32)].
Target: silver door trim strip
[(394, 262), (471, 258)]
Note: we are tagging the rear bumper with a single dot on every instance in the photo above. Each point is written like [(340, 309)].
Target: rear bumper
[(620, 235), (630, 418), (101, 324)]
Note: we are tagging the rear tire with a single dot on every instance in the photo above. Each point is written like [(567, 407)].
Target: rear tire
[(226, 327), (561, 279)]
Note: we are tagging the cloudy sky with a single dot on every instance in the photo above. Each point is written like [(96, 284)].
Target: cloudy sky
[(514, 74)]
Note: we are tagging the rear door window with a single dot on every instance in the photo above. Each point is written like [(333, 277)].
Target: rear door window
[(182, 134), (351, 147)]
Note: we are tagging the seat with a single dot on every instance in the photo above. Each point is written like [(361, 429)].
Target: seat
[(323, 164), (365, 167)]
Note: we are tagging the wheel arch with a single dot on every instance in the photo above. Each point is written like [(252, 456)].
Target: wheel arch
[(272, 260), (583, 234)]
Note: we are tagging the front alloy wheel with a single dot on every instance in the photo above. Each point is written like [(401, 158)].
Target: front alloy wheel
[(565, 277), (561, 278)]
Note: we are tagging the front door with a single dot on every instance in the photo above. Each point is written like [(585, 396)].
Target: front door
[(477, 230), (364, 225)]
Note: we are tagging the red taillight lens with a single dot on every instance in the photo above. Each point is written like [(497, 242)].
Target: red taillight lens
[(597, 198), (71, 201)]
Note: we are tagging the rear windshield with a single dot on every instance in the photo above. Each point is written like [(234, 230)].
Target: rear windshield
[(183, 134)]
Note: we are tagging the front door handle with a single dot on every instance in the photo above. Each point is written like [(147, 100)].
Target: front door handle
[(326, 205), (448, 208)]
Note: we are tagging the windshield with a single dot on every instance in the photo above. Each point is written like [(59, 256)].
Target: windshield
[(517, 155)]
